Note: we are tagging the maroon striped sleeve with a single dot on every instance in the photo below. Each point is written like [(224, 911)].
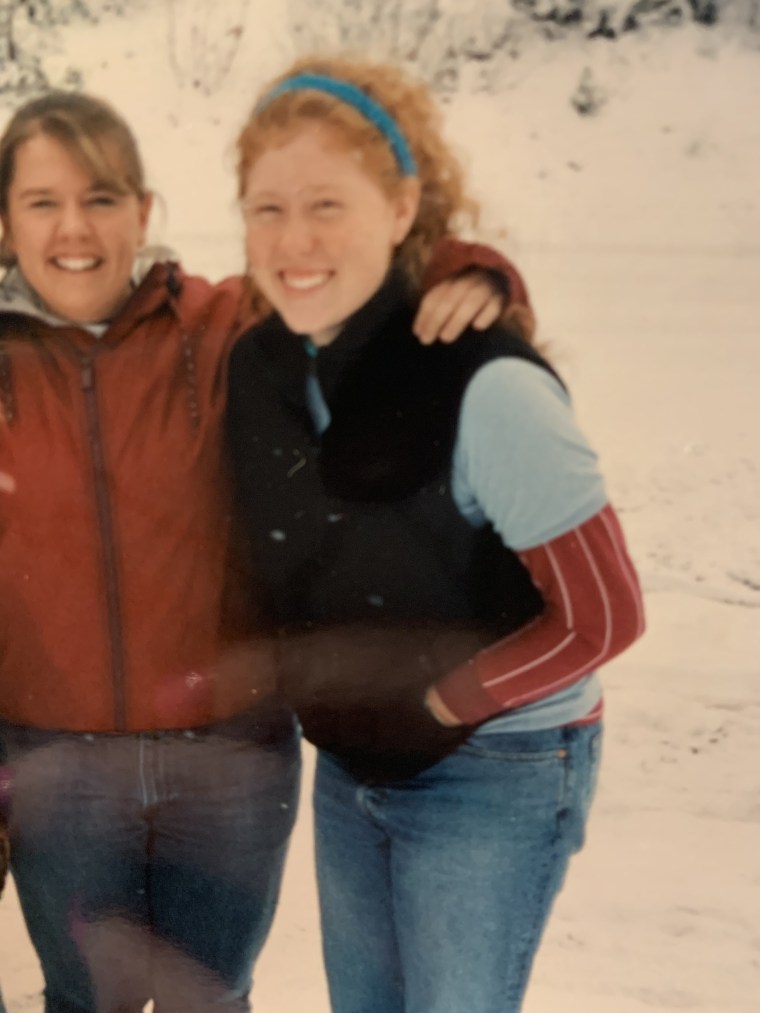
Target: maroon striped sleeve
[(593, 611)]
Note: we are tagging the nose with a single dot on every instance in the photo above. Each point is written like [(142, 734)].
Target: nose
[(73, 219), (297, 235)]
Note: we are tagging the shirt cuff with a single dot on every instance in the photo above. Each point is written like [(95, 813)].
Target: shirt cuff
[(462, 692)]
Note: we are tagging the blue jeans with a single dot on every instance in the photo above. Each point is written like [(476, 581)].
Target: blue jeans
[(434, 892), (149, 865)]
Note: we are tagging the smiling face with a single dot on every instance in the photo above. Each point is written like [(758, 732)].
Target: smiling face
[(320, 230), (74, 239)]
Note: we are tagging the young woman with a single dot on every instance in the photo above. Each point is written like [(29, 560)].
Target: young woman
[(437, 550), (154, 776)]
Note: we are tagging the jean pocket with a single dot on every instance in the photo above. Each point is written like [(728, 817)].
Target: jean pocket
[(540, 746)]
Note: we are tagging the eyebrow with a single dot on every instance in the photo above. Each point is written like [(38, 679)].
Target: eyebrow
[(44, 191), (308, 188)]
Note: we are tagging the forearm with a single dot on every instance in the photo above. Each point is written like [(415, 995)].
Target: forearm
[(593, 611)]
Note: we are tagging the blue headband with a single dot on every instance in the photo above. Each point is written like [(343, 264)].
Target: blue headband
[(360, 100)]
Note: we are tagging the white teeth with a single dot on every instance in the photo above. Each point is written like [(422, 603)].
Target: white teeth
[(305, 281), (76, 263)]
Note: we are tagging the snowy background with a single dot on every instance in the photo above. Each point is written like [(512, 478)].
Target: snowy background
[(620, 169)]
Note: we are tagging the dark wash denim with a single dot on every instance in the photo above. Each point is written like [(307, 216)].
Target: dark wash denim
[(149, 865), (434, 891)]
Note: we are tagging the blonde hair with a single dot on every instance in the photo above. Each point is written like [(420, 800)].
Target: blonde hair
[(89, 129), (444, 204)]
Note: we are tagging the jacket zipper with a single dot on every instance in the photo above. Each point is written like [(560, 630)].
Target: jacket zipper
[(105, 523)]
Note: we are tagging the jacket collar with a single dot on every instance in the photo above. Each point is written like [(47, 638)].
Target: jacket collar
[(288, 357), (156, 278), (358, 331), (291, 356)]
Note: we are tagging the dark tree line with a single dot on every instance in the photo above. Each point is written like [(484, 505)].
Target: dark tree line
[(21, 69), (438, 38)]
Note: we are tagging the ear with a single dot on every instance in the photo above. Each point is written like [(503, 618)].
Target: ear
[(146, 205), (406, 206)]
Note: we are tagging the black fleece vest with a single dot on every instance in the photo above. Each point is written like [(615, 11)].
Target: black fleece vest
[(374, 582), (359, 525)]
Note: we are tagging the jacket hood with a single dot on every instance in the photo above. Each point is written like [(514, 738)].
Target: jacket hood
[(18, 297)]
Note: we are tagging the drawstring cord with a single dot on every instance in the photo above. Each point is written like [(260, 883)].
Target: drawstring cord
[(174, 286)]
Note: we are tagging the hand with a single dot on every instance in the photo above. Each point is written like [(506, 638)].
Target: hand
[(439, 710), (473, 299), (7, 482), (359, 692)]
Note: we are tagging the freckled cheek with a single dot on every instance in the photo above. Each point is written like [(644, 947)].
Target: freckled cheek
[(260, 249)]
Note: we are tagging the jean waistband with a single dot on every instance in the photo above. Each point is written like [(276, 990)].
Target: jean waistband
[(268, 723)]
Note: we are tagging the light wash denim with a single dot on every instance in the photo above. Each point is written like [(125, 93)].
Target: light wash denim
[(149, 865), (434, 892)]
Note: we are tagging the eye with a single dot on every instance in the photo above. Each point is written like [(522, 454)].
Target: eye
[(265, 212), (42, 203), (326, 207), (102, 200)]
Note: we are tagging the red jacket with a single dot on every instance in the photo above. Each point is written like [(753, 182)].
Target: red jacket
[(115, 544), (118, 589)]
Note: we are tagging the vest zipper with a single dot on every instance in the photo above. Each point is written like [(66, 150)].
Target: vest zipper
[(105, 524)]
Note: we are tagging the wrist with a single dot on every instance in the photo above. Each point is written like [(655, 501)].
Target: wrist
[(439, 711)]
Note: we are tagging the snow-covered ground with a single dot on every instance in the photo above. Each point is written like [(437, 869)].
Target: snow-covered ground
[(638, 230)]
